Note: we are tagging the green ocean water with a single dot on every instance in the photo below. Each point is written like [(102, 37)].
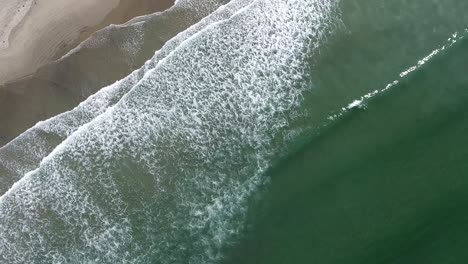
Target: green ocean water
[(385, 183), (279, 131)]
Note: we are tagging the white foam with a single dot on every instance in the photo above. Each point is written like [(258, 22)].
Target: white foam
[(164, 175)]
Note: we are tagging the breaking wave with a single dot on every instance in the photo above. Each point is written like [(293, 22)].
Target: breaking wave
[(158, 167)]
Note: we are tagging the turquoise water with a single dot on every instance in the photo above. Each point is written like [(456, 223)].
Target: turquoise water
[(281, 131)]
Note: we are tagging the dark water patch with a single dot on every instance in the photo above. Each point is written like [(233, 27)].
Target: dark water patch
[(384, 185)]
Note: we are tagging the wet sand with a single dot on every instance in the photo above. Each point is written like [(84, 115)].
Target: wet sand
[(36, 32)]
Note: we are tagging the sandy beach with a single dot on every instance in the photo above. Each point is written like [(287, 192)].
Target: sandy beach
[(35, 32)]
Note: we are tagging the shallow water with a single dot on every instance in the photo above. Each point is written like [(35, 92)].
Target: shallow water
[(284, 131)]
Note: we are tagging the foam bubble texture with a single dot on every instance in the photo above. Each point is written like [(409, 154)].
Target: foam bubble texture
[(164, 175), (25, 152)]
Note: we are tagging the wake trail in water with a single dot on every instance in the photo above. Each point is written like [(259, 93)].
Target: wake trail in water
[(163, 175), (365, 99)]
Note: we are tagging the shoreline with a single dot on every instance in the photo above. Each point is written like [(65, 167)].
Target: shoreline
[(50, 29), (124, 12)]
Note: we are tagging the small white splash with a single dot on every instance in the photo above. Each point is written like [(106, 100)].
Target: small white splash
[(355, 104)]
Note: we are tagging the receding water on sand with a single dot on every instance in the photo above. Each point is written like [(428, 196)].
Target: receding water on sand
[(33, 33)]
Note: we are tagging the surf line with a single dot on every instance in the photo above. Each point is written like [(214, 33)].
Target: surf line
[(184, 43), (362, 102)]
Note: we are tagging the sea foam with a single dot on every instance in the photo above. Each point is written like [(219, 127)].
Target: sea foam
[(163, 175)]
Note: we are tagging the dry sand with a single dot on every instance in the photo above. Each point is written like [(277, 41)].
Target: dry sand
[(11, 14), (35, 32)]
